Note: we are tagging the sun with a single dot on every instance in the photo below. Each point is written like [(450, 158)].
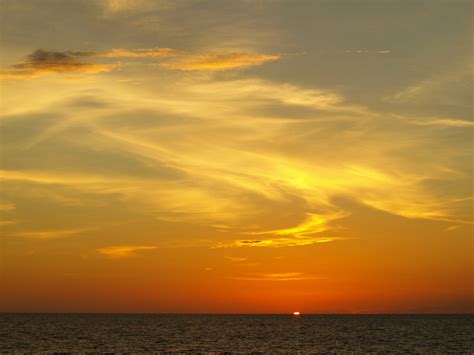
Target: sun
[(296, 313)]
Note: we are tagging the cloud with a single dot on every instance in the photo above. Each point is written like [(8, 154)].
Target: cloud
[(134, 53), (49, 234), (365, 51), (445, 122), (123, 251), (43, 177), (6, 223), (218, 61), (257, 90), (300, 235), (42, 62), (6, 206), (452, 87), (20, 74), (235, 258), (284, 276), (314, 223), (277, 242), (118, 7), (241, 166)]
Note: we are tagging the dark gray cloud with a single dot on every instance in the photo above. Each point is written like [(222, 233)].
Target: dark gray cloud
[(41, 62)]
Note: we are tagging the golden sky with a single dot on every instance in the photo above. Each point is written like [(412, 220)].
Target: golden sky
[(243, 156)]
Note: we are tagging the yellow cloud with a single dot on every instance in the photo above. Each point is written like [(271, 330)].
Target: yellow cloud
[(445, 122), (237, 163), (123, 251), (135, 53), (49, 234), (117, 7), (6, 223), (218, 61), (300, 235), (42, 62), (278, 242), (235, 258), (284, 276), (20, 74), (255, 90), (314, 223), (6, 206)]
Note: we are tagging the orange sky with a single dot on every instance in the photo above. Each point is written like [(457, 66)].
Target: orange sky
[(236, 157)]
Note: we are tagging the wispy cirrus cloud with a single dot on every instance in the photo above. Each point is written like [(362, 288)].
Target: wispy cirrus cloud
[(235, 258), (123, 250), (117, 7), (225, 178), (314, 223), (367, 51), (49, 234), (305, 233), (6, 206), (451, 87), (6, 223), (134, 53), (42, 62), (258, 144), (283, 276), (445, 122), (218, 61), (277, 242)]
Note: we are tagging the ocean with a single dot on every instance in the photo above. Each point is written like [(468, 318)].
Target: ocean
[(236, 333)]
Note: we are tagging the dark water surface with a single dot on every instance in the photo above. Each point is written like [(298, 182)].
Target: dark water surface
[(237, 333)]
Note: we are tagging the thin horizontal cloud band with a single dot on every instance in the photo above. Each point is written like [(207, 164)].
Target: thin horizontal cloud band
[(42, 62)]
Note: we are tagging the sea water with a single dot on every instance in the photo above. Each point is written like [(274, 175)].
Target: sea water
[(236, 333)]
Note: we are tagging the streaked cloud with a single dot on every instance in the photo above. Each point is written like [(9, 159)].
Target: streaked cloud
[(277, 242), (445, 122), (42, 62), (314, 223), (49, 234), (225, 178), (367, 51), (124, 250), (135, 53), (283, 276), (218, 61), (235, 258), (451, 87), (6, 206), (300, 235), (118, 7), (6, 223)]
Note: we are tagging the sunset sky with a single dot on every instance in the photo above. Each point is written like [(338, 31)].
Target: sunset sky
[(258, 156)]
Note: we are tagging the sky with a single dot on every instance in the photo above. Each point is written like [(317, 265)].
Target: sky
[(261, 156)]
